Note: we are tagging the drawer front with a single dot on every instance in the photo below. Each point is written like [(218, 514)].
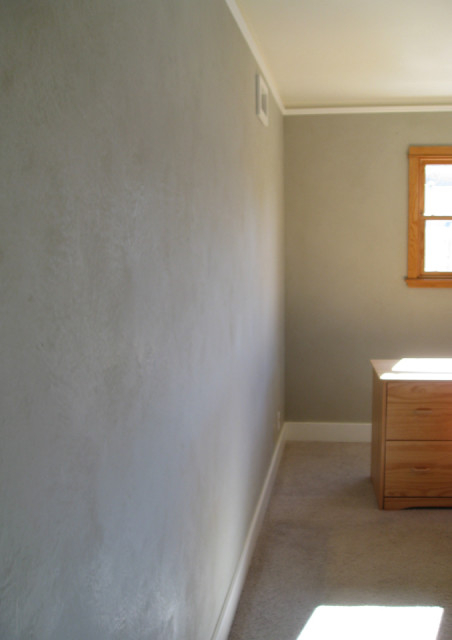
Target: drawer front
[(419, 411), (415, 469), (425, 391)]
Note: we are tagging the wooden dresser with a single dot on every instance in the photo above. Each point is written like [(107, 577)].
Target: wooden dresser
[(412, 433)]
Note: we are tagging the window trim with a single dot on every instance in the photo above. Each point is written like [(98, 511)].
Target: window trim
[(418, 157)]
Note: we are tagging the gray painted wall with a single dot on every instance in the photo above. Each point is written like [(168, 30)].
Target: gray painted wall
[(141, 315), (346, 180)]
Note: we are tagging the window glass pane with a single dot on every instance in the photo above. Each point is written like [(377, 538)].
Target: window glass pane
[(438, 190), (438, 245)]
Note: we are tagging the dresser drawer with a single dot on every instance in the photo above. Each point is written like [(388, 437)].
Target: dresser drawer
[(416, 469), (418, 421), (419, 411), (421, 390)]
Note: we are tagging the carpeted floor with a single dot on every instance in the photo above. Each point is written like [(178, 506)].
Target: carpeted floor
[(325, 542)]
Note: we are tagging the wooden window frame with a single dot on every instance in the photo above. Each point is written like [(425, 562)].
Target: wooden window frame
[(418, 158)]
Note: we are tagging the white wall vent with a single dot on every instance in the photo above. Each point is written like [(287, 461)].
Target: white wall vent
[(262, 101)]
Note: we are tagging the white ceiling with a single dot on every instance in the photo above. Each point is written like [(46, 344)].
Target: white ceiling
[(353, 53)]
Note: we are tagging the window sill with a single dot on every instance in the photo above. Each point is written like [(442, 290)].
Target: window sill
[(429, 282)]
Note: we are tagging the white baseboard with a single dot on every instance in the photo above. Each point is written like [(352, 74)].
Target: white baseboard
[(328, 431), (308, 431), (228, 610)]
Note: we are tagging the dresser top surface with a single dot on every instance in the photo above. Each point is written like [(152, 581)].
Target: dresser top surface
[(414, 369)]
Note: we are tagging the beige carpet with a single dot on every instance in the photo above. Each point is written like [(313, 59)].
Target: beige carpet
[(325, 542)]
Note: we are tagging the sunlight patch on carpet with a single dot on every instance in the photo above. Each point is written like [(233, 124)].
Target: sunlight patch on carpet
[(372, 623)]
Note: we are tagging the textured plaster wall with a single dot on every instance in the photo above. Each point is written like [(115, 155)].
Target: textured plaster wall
[(346, 179), (141, 315)]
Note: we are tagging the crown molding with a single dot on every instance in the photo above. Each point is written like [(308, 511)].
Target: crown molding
[(321, 111), (317, 111), (240, 20)]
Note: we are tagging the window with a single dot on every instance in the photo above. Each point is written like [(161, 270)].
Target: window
[(430, 217)]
